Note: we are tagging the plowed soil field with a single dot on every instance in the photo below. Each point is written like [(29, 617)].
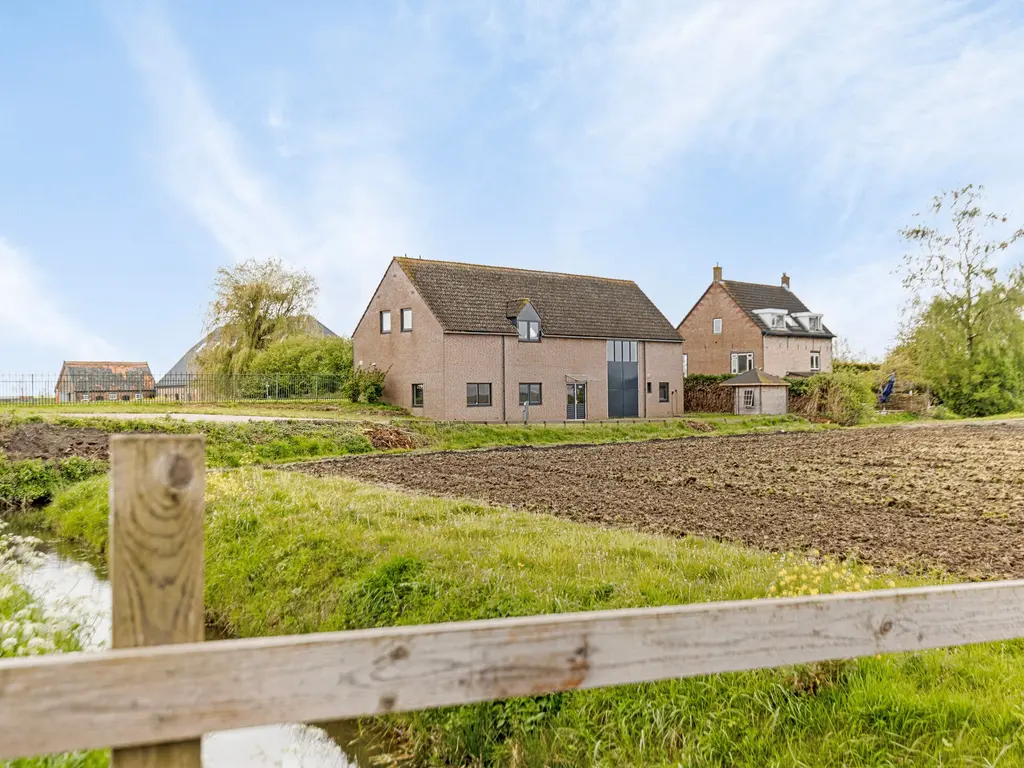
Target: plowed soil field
[(950, 497)]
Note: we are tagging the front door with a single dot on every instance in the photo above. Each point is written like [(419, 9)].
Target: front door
[(576, 401)]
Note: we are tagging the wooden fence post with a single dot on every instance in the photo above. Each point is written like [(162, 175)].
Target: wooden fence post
[(157, 487)]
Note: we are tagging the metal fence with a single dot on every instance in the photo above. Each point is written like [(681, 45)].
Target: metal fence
[(97, 387)]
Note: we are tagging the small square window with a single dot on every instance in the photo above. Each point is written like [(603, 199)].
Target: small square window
[(85, 398), (406, 320), (815, 361), (529, 330), (814, 323), (748, 398), (716, 325), (385, 321), (779, 321), (138, 395), (663, 392), (417, 395), (478, 395), (530, 393), (111, 396)]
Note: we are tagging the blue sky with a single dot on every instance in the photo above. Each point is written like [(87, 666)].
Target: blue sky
[(142, 145)]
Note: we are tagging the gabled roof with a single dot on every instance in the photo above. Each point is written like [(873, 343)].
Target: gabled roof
[(754, 296), (173, 377), (755, 377), (472, 298), (105, 376)]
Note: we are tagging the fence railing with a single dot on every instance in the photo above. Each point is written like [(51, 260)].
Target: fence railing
[(160, 689), (99, 387)]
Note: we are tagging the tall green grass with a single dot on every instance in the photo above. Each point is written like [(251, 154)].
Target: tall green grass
[(291, 553)]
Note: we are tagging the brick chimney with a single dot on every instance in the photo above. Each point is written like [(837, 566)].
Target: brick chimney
[(785, 281), (718, 273)]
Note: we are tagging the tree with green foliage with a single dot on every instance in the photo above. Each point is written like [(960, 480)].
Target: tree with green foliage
[(964, 332), (257, 303)]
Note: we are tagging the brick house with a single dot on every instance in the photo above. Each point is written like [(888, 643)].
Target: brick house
[(94, 381), (735, 327), (476, 343)]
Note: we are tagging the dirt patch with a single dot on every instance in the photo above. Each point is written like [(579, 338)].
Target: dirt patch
[(388, 438), (49, 441), (949, 497)]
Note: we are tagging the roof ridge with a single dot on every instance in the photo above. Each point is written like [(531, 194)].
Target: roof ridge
[(106, 362), (403, 259)]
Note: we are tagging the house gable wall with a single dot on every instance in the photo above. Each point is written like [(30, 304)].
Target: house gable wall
[(788, 354), (709, 352)]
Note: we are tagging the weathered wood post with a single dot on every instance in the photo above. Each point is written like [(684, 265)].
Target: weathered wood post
[(157, 487)]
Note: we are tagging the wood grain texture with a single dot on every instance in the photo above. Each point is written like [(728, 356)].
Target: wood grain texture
[(176, 692), (157, 487)]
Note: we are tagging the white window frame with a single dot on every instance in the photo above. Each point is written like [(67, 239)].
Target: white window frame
[(778, 321), (529, 330), (406, 325), (748, 399), (138, 395), (686, 366), (815, 360), (385, 314), (716, 325), (112, 396), (734, 360), (85, 397), (814, 323)]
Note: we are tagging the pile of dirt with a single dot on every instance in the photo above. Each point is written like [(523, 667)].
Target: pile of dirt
[(384, 438), (699, 426), (50, 441), (932, 496)]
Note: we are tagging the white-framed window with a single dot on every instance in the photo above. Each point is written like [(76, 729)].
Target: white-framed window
[(529, 330), (138, 395), (111, 396), (685, 366), (385, 321), (406, 320), (814, 323), (815, 361), (716, 325), (85, 397), (742, 361), (748, 398), (778, 321)]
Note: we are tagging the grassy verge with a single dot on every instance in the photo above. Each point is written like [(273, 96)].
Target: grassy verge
[(26, 629), (289, 553), (312, 409), (32, 482)]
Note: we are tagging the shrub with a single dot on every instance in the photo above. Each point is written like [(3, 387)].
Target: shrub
[(33, 481), (366, 384), (842, 397)]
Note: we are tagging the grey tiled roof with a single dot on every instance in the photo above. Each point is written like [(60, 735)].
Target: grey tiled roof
[(173, 377), (81, 376), (472, 298), (755, 377), (754, 296)]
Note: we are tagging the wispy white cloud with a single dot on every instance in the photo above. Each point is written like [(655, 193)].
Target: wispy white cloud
[(32, 318), (347, 216)]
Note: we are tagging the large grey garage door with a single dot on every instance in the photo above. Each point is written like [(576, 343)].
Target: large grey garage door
[(623, 379)]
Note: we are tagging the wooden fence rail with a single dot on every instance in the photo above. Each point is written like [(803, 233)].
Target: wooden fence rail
[(163, 697)]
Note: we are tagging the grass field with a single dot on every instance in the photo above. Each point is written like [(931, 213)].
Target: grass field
[(288, 553), (297, 409)]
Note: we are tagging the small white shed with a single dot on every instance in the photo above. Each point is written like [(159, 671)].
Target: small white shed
[(756, 392)]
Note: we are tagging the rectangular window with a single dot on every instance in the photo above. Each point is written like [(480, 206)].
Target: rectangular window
[(529, 330), (406, 320), (815, 361), (478, 394), (663, 392), (686, 366), (748, 398), (814, 323), (138, 395), (417, 395), (385, 321), (623, 351), (529, 393), (778, 321), (716, 325), (648, 387), (111, 396), (742, 361), (85, 398)]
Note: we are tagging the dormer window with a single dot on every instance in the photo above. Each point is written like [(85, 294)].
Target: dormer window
[(779, 322), (814, 323), (529, 330), (526, 319)]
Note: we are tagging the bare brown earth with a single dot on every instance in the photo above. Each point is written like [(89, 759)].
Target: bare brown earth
[(950, 497), (49, 441)]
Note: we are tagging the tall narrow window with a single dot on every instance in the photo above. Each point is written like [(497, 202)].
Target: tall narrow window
[(406, 320), (686, 366), (716, 325), (663, 392), (478, 395), (385, 321), (417, 395), (748, 398), (815, 361)]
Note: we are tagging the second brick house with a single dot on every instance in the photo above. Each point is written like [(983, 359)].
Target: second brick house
[(735, 327), (474, 342)]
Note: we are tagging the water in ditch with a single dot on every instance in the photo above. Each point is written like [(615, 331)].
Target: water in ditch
[(66, 573)]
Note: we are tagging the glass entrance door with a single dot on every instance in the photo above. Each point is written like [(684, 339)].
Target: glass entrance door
[(576, 401)]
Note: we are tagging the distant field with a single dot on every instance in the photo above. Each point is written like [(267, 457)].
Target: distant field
[(312, 409)]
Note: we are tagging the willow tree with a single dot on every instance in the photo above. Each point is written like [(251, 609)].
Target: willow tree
[(256, 304), (964, 330)]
